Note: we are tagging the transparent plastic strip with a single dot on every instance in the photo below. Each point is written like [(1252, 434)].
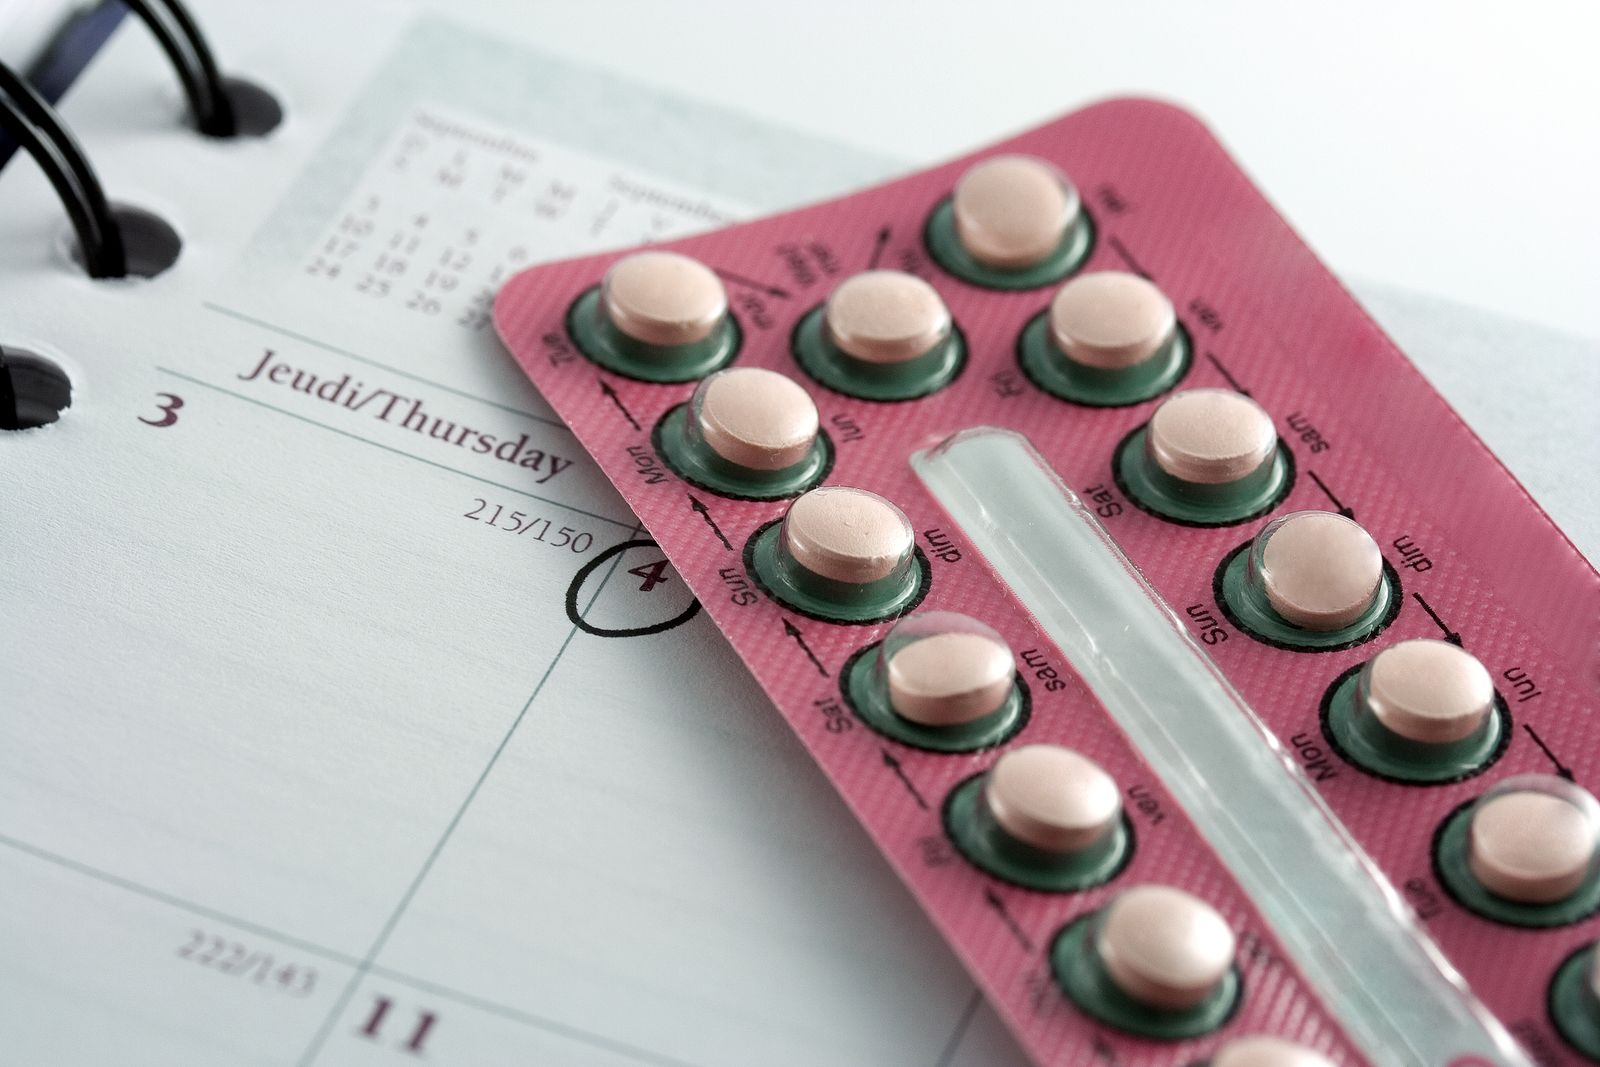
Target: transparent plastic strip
[(1336, 916)]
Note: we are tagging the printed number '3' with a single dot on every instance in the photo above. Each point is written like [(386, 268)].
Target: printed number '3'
[(169, 411)]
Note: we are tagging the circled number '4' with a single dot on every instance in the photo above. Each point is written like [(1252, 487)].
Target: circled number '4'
[(653, 574), (169, 410), (650, 575)]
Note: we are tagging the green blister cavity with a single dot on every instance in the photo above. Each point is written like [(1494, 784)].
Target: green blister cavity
[(829, 365), (1194, 504), (1083, 978), (868, 697), (1363, 741), (1051, 370), (939, 234), (824, 598), (1247, 608), (988, 847), (599, 340), (1574, 1008), (697, 463), (1450, 849)]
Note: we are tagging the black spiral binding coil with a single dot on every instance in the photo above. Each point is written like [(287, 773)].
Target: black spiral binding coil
[(112, 240), (40, 131), (219, 106)]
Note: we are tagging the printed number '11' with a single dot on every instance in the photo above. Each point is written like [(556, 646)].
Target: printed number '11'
[(419, 1033)]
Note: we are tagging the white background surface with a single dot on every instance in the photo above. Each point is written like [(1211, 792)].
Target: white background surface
[(1450, 148)]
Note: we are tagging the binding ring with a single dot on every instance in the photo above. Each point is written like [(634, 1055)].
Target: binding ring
[(33, 390), (35, 125), (113, 240), (220, 106)]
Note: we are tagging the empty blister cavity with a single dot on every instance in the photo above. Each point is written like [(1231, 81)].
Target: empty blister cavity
[(656, 316), (1263, 1050), (748, 433), (1575, 1000), (840, 554), (1157, 962), (1421, 711), (1526, 853), (1043, 817), (1012, 222), (1312, 580), (881, 335), (940, 681), (1207, 457), (1108, 339)]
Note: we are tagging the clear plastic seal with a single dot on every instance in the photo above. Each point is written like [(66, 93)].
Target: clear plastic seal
[(1336, 916)]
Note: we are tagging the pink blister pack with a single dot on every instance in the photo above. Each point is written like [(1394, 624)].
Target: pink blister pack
[(1202, 675)]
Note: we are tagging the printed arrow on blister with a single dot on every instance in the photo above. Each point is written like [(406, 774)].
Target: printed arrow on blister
[(750, 283), (1561, 768), (995, 901), (878, 246), (705, 513), (1217, 363), (800, 639), (1338, 505), (605, 387), (900, 772), (1127, 257), (1449, 634)]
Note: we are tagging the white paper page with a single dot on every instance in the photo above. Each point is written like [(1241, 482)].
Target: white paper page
[(302, 759)]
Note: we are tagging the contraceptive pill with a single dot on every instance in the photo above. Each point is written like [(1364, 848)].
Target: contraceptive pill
[(1428, 691), (881, 335), (1164, 947), (841, 553), (657, 316), (1211, 437), (939, 680), (1012, 211), (746, 432), (847, 535), (1421, 710), (1319, 571), (1110, 320), (756, 419), (1052, 798), (1011, 222), (1309, 580), (1043, 816), (948, 678), (1108, 338), (1531, 846), (886, 316), (1207, 457), (1525, 853), (1156, 961), (663, 299)]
